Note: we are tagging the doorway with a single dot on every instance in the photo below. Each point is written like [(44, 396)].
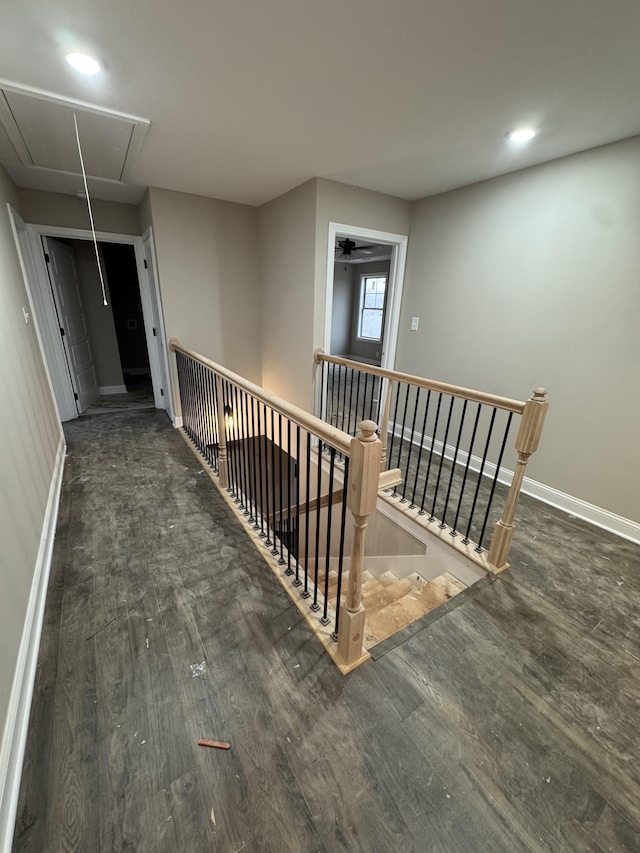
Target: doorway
[(100, 358), (365, 276)]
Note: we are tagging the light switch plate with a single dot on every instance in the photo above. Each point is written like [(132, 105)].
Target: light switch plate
[(414, 323)]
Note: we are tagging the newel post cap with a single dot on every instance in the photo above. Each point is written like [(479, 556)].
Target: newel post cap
[(539, 394), (368, 431)]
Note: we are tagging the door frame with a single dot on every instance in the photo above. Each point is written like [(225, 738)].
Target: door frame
[(398, 243), (42, 300)]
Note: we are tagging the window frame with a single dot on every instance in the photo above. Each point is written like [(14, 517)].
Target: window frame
[(361, 306)]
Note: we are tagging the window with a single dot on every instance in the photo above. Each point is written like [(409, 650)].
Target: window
[(371, 314)]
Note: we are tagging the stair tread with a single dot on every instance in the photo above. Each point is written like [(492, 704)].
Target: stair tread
[(378, 596), (420, 599)]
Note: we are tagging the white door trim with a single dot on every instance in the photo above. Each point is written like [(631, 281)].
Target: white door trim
[(39, 317), (398, 242), (162, 333), (58, 374)]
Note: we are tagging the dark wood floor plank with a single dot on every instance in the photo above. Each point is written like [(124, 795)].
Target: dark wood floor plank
[(507, 725), (73, 787)]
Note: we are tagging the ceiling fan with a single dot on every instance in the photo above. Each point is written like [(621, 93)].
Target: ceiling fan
[(347, 247)]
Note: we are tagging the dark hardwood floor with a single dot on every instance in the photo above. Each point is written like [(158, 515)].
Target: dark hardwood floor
[(510, 724)]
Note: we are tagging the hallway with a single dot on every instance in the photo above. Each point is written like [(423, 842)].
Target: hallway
[(507, 725)]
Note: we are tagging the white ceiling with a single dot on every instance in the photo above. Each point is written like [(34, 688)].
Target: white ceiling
[(249, 99)]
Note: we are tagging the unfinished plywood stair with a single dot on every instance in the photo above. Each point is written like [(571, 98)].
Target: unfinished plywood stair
[(391, 602)]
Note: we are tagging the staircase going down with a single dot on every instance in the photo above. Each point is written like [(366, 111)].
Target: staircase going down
[(392, 603)]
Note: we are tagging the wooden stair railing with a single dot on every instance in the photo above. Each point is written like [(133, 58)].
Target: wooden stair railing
[(226, 421), (422, 416)]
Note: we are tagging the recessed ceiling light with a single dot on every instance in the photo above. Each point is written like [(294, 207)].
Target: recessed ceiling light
[(83, 63), (521, 134)]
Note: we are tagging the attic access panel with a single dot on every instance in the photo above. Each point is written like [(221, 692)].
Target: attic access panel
[(41, 128)]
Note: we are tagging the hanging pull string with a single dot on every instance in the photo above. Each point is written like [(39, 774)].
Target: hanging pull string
[(93, 230)]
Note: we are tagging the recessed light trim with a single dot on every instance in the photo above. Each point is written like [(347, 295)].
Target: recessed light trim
[(521, 134), (83, 63)]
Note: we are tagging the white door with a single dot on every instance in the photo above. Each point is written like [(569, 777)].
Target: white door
[(61, 266), (157, 320)]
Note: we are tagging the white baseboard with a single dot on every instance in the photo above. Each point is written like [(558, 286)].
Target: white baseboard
[(17, 723), (177, 421), (113, 389), (596, 515)]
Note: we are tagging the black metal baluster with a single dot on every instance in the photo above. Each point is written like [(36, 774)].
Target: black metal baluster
[(404, 422), (247, 459), (443, 523), (344, 395), (413, 429), (433, 441), (268, 541), (297, 580), (255, 439), (350, 403), (216, 424), (393, 428), (282, 508), (442, 456), (289, 570), (358, 401), (343, 527), (412, 505), (208, 408), (263, 507), (332, 462), (493, 485), (315, 606), (305, 592), (226, 391), (238, 444), (237, 430), (454, 527), (465, 541), (274, 550), (338, 397)]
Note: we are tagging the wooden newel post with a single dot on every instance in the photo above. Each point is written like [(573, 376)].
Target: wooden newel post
[(527, 440), (223, 465), (364, 468)]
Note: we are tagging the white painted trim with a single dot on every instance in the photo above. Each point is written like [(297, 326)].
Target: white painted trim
[(26, 265), (146, 294), (15, 731), (596, 515), (154, 284), (396, 283), (177, 421), (113, 389)]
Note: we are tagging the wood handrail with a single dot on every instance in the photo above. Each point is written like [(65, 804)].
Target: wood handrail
[(509, 405), (328, 434)]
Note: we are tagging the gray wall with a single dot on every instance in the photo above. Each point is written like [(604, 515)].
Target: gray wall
[(102, 332), (337, 202), (342, 308), (30, 436), (533, 279), (207, 253), (67, 211), (287, 229)]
